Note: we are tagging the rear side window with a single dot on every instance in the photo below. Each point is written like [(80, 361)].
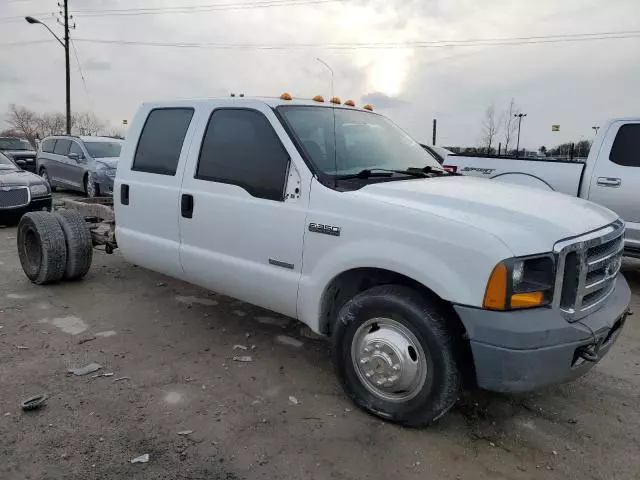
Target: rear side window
[(161, 141), (48, 144), (62, 147), (240, 147), (626, 147)]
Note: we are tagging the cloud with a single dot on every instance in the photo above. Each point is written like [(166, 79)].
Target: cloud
[(96, 65), (382, 100), (554, 83)]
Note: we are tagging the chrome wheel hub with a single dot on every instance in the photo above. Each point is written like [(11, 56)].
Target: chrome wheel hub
[(388, 359)]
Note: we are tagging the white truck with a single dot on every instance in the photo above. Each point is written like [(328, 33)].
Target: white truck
[(610, 176), (425, 281)]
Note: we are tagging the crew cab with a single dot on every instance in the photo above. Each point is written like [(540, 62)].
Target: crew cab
[(424, 280), (610, 175)]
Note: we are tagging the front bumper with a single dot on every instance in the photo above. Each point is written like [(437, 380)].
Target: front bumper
[(524, 350)]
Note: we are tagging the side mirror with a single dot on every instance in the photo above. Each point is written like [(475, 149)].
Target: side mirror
[(21, 164), (75, 156)]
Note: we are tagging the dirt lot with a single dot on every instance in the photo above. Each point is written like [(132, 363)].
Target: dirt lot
[(170, 347)]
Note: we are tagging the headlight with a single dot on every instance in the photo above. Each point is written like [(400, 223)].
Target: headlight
[(521, 283), (39, 190)]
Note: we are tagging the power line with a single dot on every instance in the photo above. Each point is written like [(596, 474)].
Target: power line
[(199, 8), (84, 81), (28, 42), (373, 46)]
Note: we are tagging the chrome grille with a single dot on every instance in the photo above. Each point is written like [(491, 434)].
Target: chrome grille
[(587, 269), (12, 197)]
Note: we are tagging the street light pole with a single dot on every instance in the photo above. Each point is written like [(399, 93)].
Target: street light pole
[(519, 115), (65, 45)]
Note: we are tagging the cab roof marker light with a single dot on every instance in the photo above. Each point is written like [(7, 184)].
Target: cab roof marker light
[(286, 96), (369, 107), (350, 103), (336, 100), (318, 98)]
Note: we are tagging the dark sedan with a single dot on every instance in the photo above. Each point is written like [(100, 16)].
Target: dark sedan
[(20, 192), (20, 151)]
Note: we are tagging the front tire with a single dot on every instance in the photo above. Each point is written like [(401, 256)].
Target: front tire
[(45, 176), (394, 355), (91, 189)]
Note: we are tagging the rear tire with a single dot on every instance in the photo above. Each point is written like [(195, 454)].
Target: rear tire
[(41, 247), (78, 243), (394, 355)]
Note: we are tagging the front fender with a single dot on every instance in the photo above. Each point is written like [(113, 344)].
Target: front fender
[(443, 275)]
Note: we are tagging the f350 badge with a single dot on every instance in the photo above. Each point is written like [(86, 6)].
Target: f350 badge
[(326, 229)]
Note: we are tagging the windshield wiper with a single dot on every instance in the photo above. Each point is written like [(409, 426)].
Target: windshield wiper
[(381, 172)]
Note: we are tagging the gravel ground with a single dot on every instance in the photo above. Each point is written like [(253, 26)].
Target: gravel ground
[(170, 347)]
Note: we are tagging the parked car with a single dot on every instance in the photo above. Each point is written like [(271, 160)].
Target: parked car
[(610, 176), (423, 279), (84, 164), (20, 151), (20, 192)]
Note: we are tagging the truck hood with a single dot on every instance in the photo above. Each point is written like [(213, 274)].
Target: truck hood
[(18, 177), (527, 220)]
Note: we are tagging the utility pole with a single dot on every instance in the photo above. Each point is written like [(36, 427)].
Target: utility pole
[(66, 59), (65, 44), (433, 138), (519, 115)]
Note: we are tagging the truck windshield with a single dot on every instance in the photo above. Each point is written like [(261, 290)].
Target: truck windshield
[(14, 144), (362, 140), (103, 149)]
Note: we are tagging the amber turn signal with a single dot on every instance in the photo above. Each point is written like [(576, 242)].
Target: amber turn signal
[(496, 293), (529, 299)]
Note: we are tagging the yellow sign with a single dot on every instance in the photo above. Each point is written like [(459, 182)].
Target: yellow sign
[(555, 128)]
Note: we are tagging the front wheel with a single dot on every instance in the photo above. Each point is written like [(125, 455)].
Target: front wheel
[(394, 355), (45, 176), (91, 189)]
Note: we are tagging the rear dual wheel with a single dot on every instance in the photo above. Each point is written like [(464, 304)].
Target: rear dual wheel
[(54, 246), (395, 355)]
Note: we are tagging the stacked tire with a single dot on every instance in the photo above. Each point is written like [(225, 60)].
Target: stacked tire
[(54, 246)]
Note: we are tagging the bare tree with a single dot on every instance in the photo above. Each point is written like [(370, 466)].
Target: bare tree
[(25, 122), (87, 123), (490, 126), (509, 123), (52, 124)]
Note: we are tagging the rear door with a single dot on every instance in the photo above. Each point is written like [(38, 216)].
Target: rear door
[(244, 209), (58, 160), (615, 182), (147, 189)]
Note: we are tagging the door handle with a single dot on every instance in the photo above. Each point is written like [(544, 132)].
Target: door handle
[(186, 205), (124, 194), (609, 182)]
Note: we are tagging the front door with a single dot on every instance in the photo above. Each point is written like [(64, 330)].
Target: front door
[(615, 182), (244, 209)]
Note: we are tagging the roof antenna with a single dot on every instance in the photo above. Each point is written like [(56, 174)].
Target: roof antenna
[(333, 109)]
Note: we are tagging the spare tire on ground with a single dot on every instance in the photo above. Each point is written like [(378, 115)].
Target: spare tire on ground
[(78, 243), (41, 247)]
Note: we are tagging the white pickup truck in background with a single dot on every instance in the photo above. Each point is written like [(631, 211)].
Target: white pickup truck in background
[(610, 176), (424, 280)]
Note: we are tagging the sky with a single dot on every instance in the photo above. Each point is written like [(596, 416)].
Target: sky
[(576, 84)]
